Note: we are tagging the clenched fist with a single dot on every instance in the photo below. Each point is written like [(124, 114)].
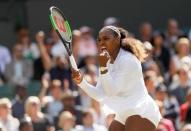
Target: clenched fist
[(77, 76)]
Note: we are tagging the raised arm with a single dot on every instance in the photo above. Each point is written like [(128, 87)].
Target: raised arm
[(96, 92), (126, 70)]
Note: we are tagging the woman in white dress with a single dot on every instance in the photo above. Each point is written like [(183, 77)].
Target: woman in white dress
[(120, 85)]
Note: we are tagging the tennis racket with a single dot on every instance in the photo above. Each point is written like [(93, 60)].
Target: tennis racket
[(62, 27)]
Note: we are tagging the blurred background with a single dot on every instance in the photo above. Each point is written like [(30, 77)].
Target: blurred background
[(36, 89)]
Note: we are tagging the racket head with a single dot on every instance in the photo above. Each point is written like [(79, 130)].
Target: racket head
[(60, 24)]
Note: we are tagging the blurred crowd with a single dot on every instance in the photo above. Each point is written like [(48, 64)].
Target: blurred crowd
[(59, 105)]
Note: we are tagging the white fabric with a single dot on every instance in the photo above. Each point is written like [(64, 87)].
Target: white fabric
[(11, 124), (58, 49), (122, 90), (5, 58)]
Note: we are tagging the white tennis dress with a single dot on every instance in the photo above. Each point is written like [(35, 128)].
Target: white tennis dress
[(123, 91)]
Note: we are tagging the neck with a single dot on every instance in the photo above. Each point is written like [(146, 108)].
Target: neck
[(114, 55)]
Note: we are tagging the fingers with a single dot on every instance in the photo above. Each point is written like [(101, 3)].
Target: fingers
[(76, 76), (105, 53)]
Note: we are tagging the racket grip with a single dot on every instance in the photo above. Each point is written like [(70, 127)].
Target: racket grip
[(73, 62)]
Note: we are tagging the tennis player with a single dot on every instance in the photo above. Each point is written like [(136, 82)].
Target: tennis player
[(120, 84)]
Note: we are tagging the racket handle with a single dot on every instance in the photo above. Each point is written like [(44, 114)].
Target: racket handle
[(73, 62)]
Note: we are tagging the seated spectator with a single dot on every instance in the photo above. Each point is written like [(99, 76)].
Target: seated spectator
[(87, 43), (161, 54), (18, 103), (164, 124), (61, 71), (39, 120), (66, 121), (8, 122), (5, 57), (69, 104), (150, 79), (58, 48), (76, 37), (26, 124), (18, 70), (98, 113), (54, 106), (145, 31), (184, 107), (181, 84), (30, 49), (89, 123), (172, 33), (170, 104), (183, 50)]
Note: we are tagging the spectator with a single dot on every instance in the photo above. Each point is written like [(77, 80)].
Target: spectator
[(8, 122), (145, 31), (161, 54), (164, 124), (30, 50), (18, 102), (98, 113), (87, 44), (111, 21), (170, 104), (183, 50), (61, 71), (150, 79), (66, 121), (184, 108), (5, 58), (172, 33), (40, 121), (55, 106), (68, 101), (26, 124), (58, 48), (89, 124), (181, 84), (44, 62), (75, 44), (19, 71)]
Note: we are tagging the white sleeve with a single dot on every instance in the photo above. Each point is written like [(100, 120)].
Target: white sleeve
[(96, 92), (126, 69)]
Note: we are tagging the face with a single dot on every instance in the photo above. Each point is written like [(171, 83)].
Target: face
[(33, 108), (67, 123), (146, 29), (88, 119), (173, 27), (158, 41), (108, 40), (183, 75), (4, 111), (160, 95), (69, 102), (18, 51), (183, 49), (27, 127), (55, 91)]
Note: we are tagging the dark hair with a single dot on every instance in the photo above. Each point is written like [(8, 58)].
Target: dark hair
[(132, 45)]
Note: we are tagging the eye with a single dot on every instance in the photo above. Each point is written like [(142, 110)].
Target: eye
[(98, 39), (106, 38)]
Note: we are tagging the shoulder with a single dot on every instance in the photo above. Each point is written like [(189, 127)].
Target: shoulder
[(128, 59)]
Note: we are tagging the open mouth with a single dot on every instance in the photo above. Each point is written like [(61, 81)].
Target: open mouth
[(102, 49)]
